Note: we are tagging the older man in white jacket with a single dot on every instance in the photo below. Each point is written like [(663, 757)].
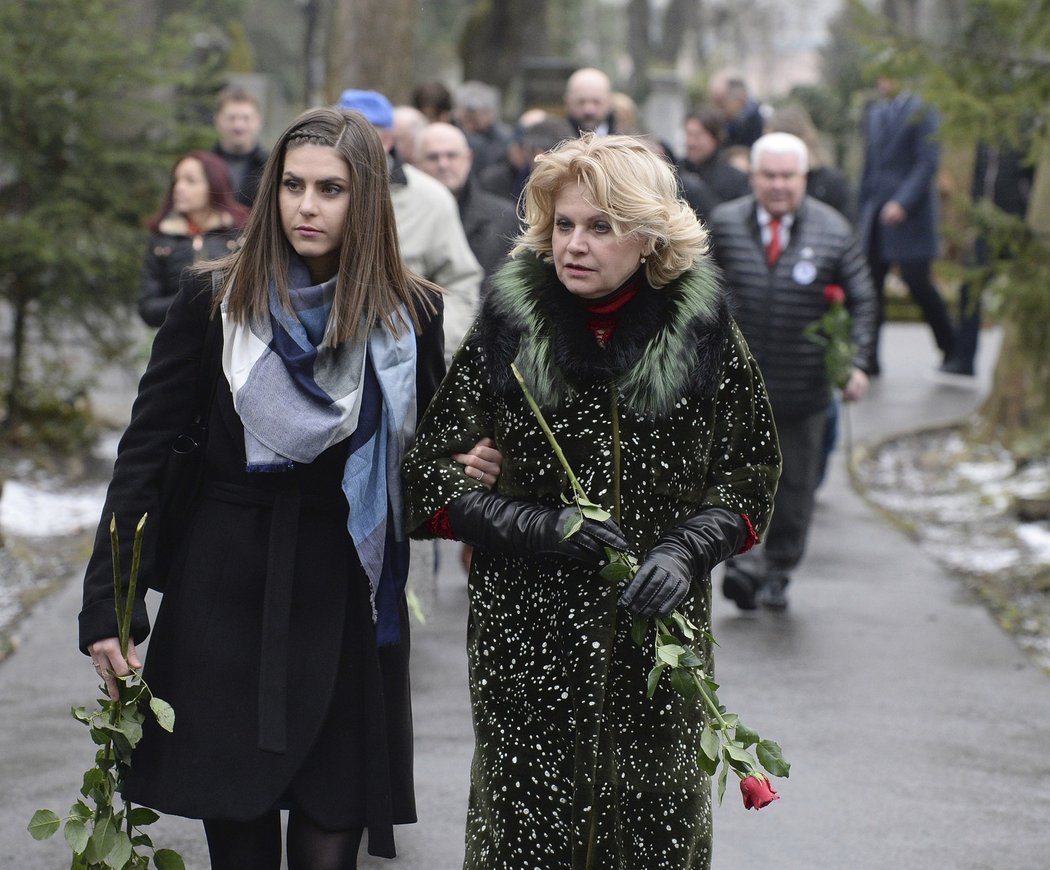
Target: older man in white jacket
[(429, 230)]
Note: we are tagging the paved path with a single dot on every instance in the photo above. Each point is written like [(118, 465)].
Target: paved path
[(919, 734)]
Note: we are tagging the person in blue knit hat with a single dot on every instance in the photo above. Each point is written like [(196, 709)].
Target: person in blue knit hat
[(373, 105), (433, 243)]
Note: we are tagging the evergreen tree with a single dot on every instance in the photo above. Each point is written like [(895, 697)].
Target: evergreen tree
[(985, 66), (86, 136)]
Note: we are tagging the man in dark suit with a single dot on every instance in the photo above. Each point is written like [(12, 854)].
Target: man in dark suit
[(898, 205)]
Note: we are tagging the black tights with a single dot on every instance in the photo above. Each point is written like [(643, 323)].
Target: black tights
[(256, 844)]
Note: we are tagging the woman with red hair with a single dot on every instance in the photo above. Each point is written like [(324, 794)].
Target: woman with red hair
[(199, 220)]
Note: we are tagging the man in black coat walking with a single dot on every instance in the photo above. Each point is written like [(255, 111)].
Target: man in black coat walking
[(787, 259), (898, 205), (238, 121), (488, 220)]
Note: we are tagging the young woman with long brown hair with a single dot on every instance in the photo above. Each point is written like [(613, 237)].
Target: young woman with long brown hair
[(282, 637)]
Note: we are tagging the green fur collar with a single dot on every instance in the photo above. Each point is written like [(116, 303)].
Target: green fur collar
[(668, 341)]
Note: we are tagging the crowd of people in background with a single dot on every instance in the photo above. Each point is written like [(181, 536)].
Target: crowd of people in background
[(458, 169), (732, 247)]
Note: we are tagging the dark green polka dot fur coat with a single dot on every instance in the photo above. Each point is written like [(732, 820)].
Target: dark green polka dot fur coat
[(574, 767)]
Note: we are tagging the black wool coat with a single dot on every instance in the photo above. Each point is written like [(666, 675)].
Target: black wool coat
[(490, 223), (574, 766), (264, 642), (170, 252)]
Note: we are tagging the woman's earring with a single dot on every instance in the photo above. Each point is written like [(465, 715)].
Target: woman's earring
[(643, 259)]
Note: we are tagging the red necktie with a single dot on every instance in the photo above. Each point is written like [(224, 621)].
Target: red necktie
[(773, 248)]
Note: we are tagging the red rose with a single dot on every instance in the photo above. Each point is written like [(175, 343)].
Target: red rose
[(757, 792), (834, 294)]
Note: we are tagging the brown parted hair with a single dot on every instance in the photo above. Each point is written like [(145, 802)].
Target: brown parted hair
[(220, 192), (236, 94), (636, 188), (372, 281)]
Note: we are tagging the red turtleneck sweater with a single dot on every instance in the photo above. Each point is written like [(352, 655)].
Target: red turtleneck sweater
[(603, 314)]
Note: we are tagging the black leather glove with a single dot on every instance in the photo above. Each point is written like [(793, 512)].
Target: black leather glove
[(689, 550), (523, 528)]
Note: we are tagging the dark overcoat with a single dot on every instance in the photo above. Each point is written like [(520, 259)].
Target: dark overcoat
[(490, 223), (264, 642), (574, 767), (901, 156), (170, 252)]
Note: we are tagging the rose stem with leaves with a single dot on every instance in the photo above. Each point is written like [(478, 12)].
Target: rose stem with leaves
[(576, 488), (581, 501)]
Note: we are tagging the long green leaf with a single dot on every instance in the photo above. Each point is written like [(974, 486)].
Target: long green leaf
[(744, 735), (573, 527), (684, 625), (165, 859), (654, 679), (102, 838), (77, 835), (120, 853), (615, 571), (639, 629), (93, 781), (710, 743), (593, 511), (80, 810), (683, 683), (163, 713), (772, 759), (142, 816), (44, 824), (707, 765), (670, 653)]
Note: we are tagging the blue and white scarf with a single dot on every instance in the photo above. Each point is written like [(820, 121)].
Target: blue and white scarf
[(296, 399)]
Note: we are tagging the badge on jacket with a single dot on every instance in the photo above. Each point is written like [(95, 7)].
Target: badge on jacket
[(804, 271)]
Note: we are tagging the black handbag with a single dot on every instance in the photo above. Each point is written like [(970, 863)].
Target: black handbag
[(183, 476)]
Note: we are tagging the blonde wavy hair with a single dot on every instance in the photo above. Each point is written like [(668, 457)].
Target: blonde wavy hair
[(635, 188)]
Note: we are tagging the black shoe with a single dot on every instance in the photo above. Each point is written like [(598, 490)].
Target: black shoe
[(954, 374), (737, 587), (956, 367), (773, 595)]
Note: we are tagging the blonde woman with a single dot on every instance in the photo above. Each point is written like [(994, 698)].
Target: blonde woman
[(613, 313)]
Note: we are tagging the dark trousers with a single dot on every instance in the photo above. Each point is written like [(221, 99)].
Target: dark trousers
[(802, 449), (970, 309), (916, 275)]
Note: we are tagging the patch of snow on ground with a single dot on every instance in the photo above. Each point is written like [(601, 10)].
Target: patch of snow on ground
[(1036, 536), (985, 472), (959, 499), (1032, 482), (34, 512)]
